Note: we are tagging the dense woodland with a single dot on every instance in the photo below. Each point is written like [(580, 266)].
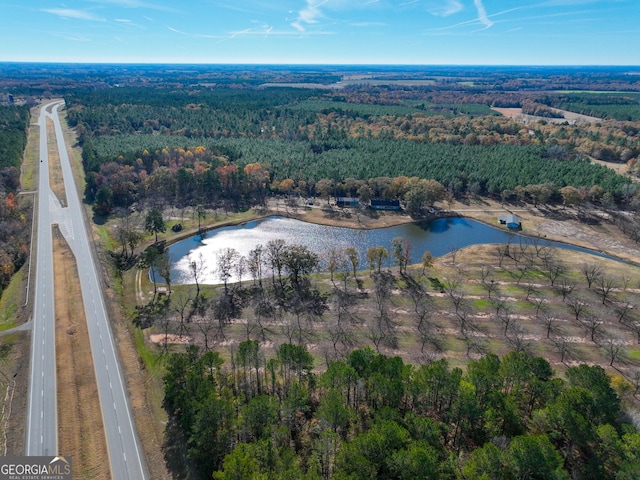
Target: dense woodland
[(372, 416), (14, 221), (135, 138)]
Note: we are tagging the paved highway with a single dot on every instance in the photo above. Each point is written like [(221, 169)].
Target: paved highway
[(42, 420), (125, 453)]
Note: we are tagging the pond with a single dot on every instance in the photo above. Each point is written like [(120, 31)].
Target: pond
[(438, 236)]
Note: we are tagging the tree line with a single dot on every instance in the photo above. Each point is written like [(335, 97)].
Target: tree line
[(372, 416), (14, 216)]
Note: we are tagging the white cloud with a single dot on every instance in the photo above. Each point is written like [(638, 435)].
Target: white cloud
[(482, 14), (134, 4), (443, 8), (75, 14)]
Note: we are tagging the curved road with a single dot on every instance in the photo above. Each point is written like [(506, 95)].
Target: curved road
[(125, 453)]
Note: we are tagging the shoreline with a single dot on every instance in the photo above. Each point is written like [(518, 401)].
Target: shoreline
[(537, 223)]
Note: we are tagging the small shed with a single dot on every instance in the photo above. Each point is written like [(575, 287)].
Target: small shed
[(511, 221), (347, 202), (383, 204)]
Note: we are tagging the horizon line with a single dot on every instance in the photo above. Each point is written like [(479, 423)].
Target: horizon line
[(319, 64)]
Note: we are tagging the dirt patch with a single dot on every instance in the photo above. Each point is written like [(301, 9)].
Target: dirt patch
[(80, 427), (571, 117), (161, 339)]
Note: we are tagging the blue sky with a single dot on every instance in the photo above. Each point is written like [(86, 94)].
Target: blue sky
[(487, 32)]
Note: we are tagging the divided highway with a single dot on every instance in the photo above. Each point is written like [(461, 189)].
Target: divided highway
[(42, 419), (125, 453)]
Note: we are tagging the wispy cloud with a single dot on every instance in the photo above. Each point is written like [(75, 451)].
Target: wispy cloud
[(482, 14), (309, 15), (74, 14), (193, 35), (443, 8), (366, 24), (135, 4), (73, 38)]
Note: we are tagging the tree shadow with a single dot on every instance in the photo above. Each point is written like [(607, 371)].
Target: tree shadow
[(174, 449)]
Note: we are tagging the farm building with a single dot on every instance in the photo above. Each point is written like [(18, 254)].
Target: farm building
[(382, 204), (347, 202), (511, 221)]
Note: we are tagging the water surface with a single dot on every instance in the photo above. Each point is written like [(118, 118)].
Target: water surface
[(438, 236)]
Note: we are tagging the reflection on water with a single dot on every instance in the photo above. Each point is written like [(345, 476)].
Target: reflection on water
[(439, 237)]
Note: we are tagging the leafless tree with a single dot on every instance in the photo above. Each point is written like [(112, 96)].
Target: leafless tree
[(501, 252), (474, 343), (517, 338), (550, 321), (489, 284), (255, 263), (553, 271), (453, 251), (604, 286), (226, 260), (613, 347), (539, 303), (591, 271), (531, 289), (563, 346), (198, 269), (624, 310), (578, 306), (592, 323), (180, 303), (240, 268), (565, 286), (464, 317), (205, 326)]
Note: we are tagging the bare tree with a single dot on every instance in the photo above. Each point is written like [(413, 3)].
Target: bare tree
[(592, 323), (198, 269), (255, 263), (565, 286), (240, 268), (335, 260), (453, 251), (604, 286), (538, 303), (550, 322), (591, 271), (464, 317), (489, 284), (624, 310), (180, 303), (563, 346), (205, 327), (501, 252), (578, 306), (553, 270), (517, 338), (613, 347), (226, 260)]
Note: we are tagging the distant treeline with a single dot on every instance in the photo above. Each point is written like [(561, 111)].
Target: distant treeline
[(14, 122), (493, 170), (620, 106), (305, 136)]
